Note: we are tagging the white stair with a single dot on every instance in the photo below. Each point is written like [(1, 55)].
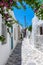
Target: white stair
[(30, 54)]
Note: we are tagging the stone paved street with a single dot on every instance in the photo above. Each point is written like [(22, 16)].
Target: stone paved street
[(15, 57), (30, 54)]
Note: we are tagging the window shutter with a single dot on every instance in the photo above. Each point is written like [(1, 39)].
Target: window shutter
[(12, 37)]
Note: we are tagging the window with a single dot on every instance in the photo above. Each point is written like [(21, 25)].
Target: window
[(41, 30)]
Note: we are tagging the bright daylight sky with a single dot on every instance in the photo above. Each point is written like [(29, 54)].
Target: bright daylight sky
[(20, 13)]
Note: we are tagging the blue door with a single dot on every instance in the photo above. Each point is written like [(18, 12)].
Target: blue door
[(12, 37)]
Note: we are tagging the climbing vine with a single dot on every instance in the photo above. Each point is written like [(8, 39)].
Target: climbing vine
[(5, 6)]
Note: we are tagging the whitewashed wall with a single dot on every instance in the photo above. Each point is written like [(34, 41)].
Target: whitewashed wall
[(37, 39), (15, 35), (5, 49), (34, 27), (15, 30)]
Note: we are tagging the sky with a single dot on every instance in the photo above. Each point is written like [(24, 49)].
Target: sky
[(20, 13)]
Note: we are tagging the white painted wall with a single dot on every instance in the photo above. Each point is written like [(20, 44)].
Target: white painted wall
[(15, 31), (5, 49), (34, 27), (37, 39)]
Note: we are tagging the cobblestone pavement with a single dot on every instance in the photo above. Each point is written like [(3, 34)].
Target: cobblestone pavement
[(15, 57)]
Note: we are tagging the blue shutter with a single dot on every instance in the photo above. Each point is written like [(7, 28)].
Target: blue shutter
[(12, 37)]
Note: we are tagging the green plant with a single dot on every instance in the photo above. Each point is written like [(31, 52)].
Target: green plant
[(2, 38), (5, 6), (30, 28), (36, 5)]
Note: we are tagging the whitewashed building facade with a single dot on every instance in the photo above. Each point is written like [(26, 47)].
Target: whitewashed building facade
[(11, 41), (37, 33)]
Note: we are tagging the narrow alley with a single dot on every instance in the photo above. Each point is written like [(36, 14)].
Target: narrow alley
[(15, 57)]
